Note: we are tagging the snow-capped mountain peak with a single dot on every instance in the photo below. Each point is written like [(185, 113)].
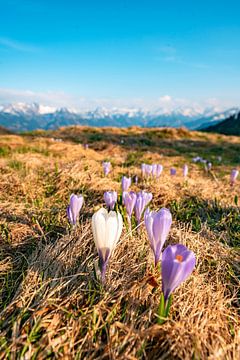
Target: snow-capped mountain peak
[(22, 116)]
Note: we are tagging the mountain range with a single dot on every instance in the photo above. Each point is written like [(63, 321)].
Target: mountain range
[(27, 117)]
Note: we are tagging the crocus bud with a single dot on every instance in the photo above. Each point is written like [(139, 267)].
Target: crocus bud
[(86, 146), (157, 225), (159, 170), (129, 200), (143, 169), (143, 199), (154, 170), (173, 171), (106, 167), (177, 264), (73, 209), (110, 198), (209, 166), (233, 176), (148, 169), (126, 183), (107, 229), (185, 170), (135, 179)]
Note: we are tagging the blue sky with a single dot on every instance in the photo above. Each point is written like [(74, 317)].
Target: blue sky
[(120, 53)]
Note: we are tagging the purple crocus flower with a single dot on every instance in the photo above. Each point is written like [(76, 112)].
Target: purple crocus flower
[(86, 146), (177, 264), (126, 183), (143, 169), (154, 170), (135, 179), (143, 199), (106, 167), (233, 176), (148, 169), (157, 225), (110, 198), (209, 166), (73, 209), (173, 171), (185, 170), (159, 170), (129, 200)]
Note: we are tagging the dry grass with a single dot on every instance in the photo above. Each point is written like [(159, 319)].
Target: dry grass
[(53, 307)]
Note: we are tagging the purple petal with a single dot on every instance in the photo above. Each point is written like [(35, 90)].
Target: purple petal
[(177, 264)]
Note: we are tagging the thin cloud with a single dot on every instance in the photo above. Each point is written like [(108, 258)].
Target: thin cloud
[(60, 99), (17, 46)]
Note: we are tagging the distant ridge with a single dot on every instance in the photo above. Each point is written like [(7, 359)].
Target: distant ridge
[(4, 131), (229, 126)]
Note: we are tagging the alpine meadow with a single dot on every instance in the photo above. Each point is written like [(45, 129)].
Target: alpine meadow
[(142, 263)]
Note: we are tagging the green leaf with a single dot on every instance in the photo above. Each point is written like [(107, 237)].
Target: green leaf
[(161, 310)]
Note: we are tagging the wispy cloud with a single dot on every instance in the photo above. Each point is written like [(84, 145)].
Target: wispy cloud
[(16, 45), (59, 99), (170, 54)]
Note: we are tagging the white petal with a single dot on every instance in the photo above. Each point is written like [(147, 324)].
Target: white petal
[(111, 230), (99, 228)]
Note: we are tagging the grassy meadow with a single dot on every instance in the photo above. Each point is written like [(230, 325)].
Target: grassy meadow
[(52, 305)]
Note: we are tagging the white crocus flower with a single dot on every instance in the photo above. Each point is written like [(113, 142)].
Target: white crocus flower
[(107, 229)]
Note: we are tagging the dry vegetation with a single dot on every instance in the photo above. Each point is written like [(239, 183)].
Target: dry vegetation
[(52, 306)]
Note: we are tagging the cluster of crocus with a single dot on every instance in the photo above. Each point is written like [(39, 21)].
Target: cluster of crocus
[(153, 170), (74, 207), (106, 167), (233, 176), (107, 229), (110, 198)]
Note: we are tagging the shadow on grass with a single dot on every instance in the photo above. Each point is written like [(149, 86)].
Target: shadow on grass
[(218, 218), (167, 141)]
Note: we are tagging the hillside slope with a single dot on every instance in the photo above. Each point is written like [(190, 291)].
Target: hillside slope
[(229, 126)]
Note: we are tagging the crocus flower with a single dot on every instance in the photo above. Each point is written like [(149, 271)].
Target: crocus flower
[(110, 198), (135, 179), (154, 170), (106, 167), (233, 176), (129, 200), (157, 225), (159, 170), (177, 264), (173, 171), (143, 169), (126, 183), (209, 166), (185, 170), (73, 209), (107, 229), (143, 199), (148, 169), (86, 146)]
